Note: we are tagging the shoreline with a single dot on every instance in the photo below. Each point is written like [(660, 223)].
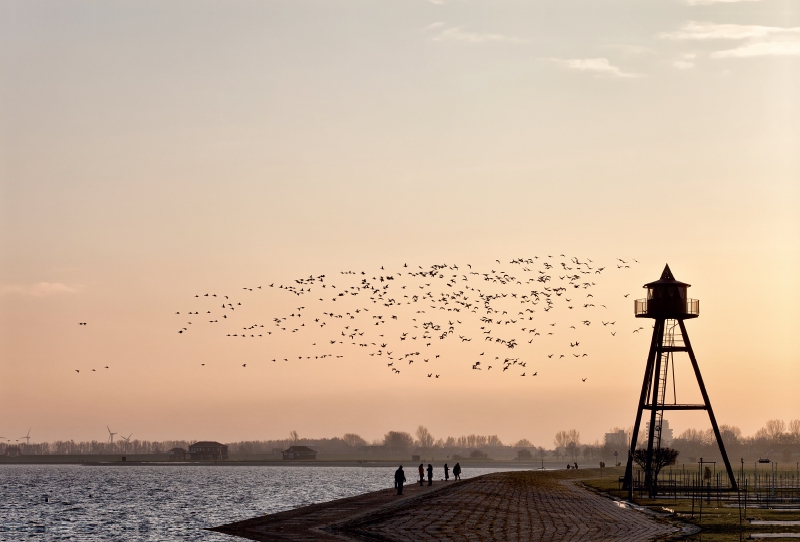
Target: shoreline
[(289, 463)]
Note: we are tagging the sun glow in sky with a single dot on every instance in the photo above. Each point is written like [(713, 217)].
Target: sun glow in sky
[(152, 152)]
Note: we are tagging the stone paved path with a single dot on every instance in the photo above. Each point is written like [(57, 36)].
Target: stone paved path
[(305, 524), (510, 506)]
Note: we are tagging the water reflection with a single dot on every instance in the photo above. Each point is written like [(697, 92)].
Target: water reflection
[(165, 502)]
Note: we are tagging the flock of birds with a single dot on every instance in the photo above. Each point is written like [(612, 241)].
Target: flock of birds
[(421, 315)]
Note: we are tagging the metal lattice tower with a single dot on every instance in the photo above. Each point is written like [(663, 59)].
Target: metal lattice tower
[(668, 305)]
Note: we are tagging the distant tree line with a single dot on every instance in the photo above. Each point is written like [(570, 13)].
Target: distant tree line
[(776, 440), (94, 447)]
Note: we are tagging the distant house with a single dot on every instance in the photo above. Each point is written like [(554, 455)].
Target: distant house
[(207, 450), (300, 452), (177, 454), (13, 451)]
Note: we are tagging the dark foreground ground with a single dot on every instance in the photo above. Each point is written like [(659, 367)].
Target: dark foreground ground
[(508, 506)]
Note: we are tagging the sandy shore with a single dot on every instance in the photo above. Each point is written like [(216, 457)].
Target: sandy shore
[(508, 506)]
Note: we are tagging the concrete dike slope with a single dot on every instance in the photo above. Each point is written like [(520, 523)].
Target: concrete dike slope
[(507, 506)]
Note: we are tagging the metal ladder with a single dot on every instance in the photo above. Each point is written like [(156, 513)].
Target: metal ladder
[(666, 359)]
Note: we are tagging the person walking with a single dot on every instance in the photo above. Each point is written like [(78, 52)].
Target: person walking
[(421, 474), (446, 472), (457, 471), (399, 479), (430, 474)]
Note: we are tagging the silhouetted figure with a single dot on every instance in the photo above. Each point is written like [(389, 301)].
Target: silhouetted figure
[(446, 472), (457, 471), (569, 466), (399, 479), (430, 474), (421, 474), (576, 465)]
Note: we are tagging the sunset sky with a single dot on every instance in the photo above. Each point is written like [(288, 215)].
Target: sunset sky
[(154, 151)]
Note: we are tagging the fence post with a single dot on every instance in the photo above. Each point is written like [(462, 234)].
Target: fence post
[(700, 483)]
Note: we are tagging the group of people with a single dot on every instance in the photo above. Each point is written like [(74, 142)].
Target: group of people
[(400, 475)]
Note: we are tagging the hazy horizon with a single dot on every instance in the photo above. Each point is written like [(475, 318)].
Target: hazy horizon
[(152, 152)]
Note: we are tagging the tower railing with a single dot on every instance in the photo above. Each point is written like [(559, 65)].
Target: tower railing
[(687, 308)]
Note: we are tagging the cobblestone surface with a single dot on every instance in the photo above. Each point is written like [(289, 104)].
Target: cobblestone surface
[(307, 523), (513, 506), (510, 506)]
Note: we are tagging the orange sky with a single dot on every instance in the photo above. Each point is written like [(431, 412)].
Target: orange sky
[(153, 152)]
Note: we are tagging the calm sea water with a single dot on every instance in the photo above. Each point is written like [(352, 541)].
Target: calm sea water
[(169, 502)]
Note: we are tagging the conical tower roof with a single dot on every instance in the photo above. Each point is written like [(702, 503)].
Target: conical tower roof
[(666, 279)]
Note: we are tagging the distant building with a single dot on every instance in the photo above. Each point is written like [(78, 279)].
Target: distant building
[(207, 450), (13, 451), (666, 432), (177, 454), (300, 452)]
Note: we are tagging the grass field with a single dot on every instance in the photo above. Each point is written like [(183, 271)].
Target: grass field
[(719, 522)]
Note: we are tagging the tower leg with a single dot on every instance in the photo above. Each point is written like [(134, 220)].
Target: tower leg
[(648, 375), (707, 402), (651, 433)]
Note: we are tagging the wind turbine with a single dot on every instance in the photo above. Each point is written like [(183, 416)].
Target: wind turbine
[(27, 437), (127, 440), (111, 435)]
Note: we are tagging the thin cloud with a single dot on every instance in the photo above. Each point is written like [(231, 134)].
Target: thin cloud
[(706, 2), (758, 40), (433, 26), (457, 33), (600, 66), (784, 47), (693, 30), (39, 289), (628, 49)]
